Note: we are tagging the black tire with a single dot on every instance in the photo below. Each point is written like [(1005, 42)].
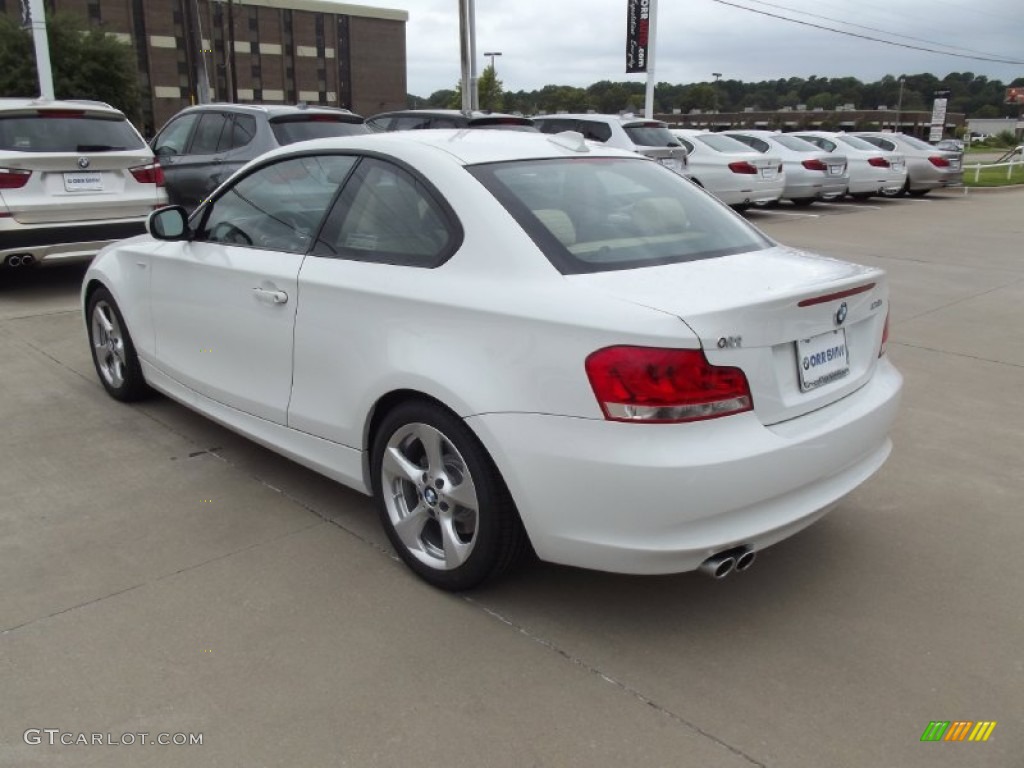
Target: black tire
[(918, 192), (861, 196), (802, 202), (113, 353), (413, 488)]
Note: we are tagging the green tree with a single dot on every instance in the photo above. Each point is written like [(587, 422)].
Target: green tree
[(87, 64), (442, 98), (489, 90)]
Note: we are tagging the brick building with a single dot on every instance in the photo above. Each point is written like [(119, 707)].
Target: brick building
[(268, 51)]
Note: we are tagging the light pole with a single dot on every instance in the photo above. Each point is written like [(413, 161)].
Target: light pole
[(717, 76), (899, 107), (492, 54)]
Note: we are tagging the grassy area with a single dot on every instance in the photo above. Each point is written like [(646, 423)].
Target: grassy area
[(994, 177)]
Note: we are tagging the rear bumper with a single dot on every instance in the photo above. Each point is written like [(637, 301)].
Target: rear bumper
[(63, 241), (648, 499), (875, 186)]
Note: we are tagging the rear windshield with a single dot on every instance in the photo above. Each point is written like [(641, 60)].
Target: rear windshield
[(857, 143), (726, 144), (305, 127), (604, 214), (797, 145), (917, 143), (65, 132), (504, 123), (651, 135)]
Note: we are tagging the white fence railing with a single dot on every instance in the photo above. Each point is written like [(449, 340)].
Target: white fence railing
[(1017, 158)]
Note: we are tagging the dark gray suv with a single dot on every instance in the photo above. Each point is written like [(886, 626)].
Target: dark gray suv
[(202, 146)]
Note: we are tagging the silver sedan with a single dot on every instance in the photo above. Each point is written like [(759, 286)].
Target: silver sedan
[(811, 173), (928, 167), (736, 174), (872, 171)]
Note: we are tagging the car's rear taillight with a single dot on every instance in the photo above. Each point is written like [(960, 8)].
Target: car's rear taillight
[(149, 174), (885, 336), (938, 162), (878, 162), (814, 165), (13, 178), (742, 166), (658, 386)]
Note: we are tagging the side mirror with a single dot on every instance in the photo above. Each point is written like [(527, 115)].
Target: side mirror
[(170, 223), (165, 151)]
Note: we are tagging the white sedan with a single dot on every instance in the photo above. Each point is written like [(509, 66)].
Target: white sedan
[(736, 174), (511, 340), (872, 170)]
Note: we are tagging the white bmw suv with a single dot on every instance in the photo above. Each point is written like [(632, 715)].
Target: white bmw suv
[(74, 176)]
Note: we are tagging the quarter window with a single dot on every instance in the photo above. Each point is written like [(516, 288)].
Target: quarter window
[(278, 207), (243, 130)]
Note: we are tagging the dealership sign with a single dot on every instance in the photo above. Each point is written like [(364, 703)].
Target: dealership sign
[(938, 120), (638, 29)]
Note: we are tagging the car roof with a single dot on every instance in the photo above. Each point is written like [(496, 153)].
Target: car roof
[(622, 119), (10, 104), (274, 110), (471, 147), (473, 115)]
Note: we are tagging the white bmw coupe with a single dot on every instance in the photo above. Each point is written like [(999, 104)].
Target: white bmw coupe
[(511, 339)]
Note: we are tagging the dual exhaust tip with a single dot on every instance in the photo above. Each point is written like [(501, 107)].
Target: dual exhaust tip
[(19, 260), (721, 565)]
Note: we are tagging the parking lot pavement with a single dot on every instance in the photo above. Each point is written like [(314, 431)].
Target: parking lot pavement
[(164, 575)]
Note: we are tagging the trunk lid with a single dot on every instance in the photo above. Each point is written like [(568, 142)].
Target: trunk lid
[(805, 329), (61, 190)]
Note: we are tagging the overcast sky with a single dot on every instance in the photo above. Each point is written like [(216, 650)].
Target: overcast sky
[(578, 42)]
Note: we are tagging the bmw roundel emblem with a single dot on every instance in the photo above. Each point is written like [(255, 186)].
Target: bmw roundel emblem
[(83, 162), (841, 314)]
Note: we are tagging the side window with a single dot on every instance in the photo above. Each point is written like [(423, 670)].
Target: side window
[(758, 144), (595, 131), (686, 144), (555, 126), (278, 207), (410, 122), (240, 133), (387, 215), (887, 145), (174, 138), (378, 124), (208, 132)]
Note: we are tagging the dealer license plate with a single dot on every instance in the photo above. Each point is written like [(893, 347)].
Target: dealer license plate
[(835, 170), (822, 359), (768, 173), (83, 182)]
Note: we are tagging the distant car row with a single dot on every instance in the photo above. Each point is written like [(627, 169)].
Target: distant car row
[(75, 175)]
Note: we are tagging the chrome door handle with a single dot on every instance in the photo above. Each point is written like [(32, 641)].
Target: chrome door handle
[(270, 297)]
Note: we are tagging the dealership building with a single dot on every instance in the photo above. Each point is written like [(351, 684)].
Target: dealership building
[(266, 51)]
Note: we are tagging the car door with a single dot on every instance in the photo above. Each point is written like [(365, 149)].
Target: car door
[(224, 303), (200, 164), (385, 234), (169, 147), (236, 147)]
